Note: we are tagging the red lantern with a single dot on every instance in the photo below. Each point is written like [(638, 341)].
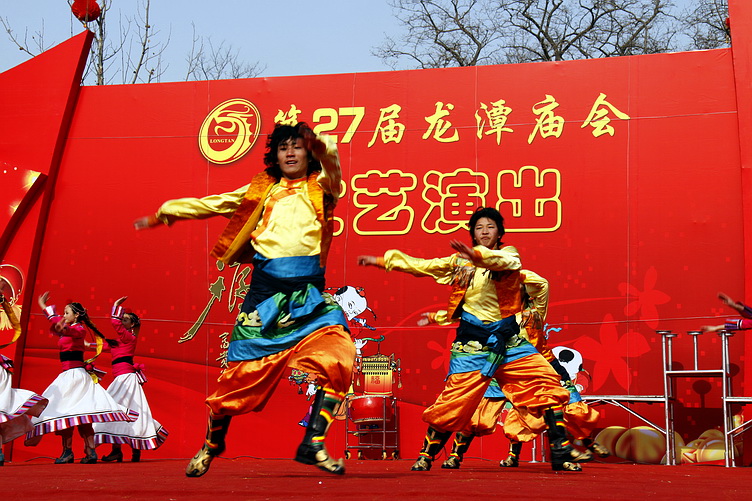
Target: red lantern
[(85, 10)]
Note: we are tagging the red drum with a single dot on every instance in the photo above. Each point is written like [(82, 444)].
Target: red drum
[(371, 408)]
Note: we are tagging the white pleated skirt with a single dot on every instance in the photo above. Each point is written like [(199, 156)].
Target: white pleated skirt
[(75, 399), (17, 406), (143, 433)]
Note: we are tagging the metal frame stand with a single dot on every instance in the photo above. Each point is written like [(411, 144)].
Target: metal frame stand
[(668, 399), (669, 383)]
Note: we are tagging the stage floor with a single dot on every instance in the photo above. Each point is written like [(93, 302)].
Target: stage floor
[(255, 479)]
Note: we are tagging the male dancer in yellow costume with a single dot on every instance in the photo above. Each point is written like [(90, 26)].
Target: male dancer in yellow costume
[(282, 223), (485, 296)]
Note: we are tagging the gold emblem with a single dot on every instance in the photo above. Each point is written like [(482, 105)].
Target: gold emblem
[(229, 131)]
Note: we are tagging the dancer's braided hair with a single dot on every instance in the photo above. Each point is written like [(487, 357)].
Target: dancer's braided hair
[(135, 322), (83, 317)]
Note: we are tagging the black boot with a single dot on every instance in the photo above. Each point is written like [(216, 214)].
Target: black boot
[(91, 456), (433, 443), (312, 450), (513, 460), (459, 448), (136, 456), (65, 457), (561, 450), (214, 445), (116, 454), (2, 456)]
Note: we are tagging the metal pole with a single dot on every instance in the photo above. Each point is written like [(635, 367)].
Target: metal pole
[(668, 395), (695, 346), (727, 425)]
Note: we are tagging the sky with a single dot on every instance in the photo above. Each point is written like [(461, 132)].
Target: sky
[(294, 37)]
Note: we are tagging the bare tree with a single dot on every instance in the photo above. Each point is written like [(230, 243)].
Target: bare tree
[(555, 30), (143, 56), (470, 32), (137, 48), (707, 25), (130, 50), (444, 33), (30, 44), (209, 62)]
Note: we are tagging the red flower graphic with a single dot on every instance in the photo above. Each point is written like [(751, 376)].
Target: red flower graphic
[(645, 301), (445, 355), (611, 352)]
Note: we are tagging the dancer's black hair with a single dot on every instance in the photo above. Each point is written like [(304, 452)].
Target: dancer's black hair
[(493, 215), (83, 317), (282, 134)]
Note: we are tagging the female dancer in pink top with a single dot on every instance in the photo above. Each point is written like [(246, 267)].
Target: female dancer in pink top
[(145, 432), (75, 399)]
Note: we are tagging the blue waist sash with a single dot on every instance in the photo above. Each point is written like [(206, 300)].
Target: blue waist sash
[(284, 305)]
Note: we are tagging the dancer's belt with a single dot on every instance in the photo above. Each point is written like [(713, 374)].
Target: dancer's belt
[(123, 360), (72, 356), (264, 286), (467, 332), (494, 335)]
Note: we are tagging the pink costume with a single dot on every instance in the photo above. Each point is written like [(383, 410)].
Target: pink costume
[(74, 397), (71, 340), (123, 353), (146, 432)]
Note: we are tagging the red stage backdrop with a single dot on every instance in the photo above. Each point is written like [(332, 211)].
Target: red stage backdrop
[(620, 181)]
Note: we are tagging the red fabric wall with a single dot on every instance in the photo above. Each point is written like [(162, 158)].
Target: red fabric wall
[(636, 230)]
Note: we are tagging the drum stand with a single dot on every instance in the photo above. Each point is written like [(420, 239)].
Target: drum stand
[(372, 419), (375, 430)]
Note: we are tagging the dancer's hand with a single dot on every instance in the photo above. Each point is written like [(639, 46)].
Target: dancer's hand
[(425, 319), (310, 390), (712, 328), (726, 299), (146, 222), (314, 143), (465, 250), (42, 300), (359, 344), (120, 301), (367, 261)]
